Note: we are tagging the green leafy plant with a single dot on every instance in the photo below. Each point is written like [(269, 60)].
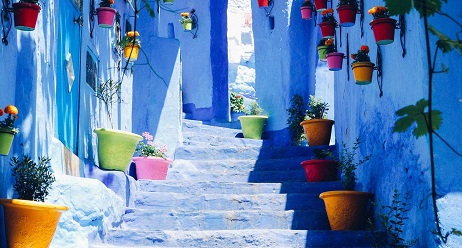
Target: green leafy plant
[(236, 102), (109, 92), (362, 55), (296, 115), (130, 39), (316, 109), (353, 3), (185, 18), (307, 3), (323, 154), (392, 223), (255, 109), (330, 46), (328, 15), (148, 148), (348, 165), (32, 180)]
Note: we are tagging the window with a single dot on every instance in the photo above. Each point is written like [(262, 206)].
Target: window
[(91, 70)]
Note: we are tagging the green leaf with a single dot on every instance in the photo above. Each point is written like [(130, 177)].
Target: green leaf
[(398, 7), (432, 6), (403, 124), (416, 114)]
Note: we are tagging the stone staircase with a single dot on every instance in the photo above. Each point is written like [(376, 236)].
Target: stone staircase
[(223, 191)]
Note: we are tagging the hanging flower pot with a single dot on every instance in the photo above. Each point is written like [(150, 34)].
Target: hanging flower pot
[(25, 15), (327, 29), (322, 53), (186, 21), (362, 72), (6, 140), (320, 5), (7, 129), (131, 45), (318, 170), (335, 61), (384, 30), (169, 1), (151, 168), (347, 15), (131, 52), (106, 16), (306, 10), (263, 3)]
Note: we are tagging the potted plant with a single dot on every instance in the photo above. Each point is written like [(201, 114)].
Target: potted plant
[(131, 45), (7, 129), (362, 66), (320, 5), (382, 26), (236, 103), (334, 58), (306, 10), (169, 2), (296, 115), (322, 50), (151, 163), (25, 14), (28, 220), (322, 168), (316, 126), (347, 209), (263, 3), (106, 14), (253, 123), (347, 10), (328, 23), (186, 21)]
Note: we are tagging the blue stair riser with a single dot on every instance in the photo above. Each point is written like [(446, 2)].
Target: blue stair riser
[(197, 202), (199, 128), (225, 220), (217, 141)]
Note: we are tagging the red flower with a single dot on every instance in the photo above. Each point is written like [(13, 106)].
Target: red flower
[(1, 112)]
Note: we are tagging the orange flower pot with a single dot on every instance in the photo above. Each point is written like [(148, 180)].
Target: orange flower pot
[(346, 209), (362, 72), (30, 223), (317, 131), (131, 52)]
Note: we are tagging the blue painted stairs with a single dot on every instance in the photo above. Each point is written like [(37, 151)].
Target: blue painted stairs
[(223, 191)]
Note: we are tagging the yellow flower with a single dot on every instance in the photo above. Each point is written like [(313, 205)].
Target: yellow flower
[(184, 14), (372, 11), (12, 110), (133, 33)]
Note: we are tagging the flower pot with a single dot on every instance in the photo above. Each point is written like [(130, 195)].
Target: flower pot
[(384, 30), (317, 170), (320, 5), (346, 209), (263, 3), (131, 51), (169, 1), (317, 131), (6, 139), (322, 53), (151, 168), (25, 16), (106, 16), (187, 26), (334, 61), (327, 29), (307, 12), (252, 126), (347, 15), (115, 148), (362, 72), (30, 223)]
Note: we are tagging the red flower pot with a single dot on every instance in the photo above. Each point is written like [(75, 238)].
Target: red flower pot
[(320, 170), (262, 3), (384, 30), (306, 12), (327, 29), (25, 15), (320, 5), (106, 16), (347, 15), (151, 168), (335, 61)]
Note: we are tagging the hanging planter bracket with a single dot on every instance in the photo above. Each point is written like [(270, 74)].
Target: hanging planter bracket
[(92, 17), (361, 18), (401, 25), (6, 20), (195, 23), (378, 67)]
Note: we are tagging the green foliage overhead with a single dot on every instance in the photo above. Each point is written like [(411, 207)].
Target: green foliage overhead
[(416, 114), (401, 7), (444, 42)]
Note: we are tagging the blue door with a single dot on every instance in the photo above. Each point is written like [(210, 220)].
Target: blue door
[(68, 75)]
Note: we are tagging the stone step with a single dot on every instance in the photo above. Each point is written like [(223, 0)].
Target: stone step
[(255, 153), (238, 238), (198, 202), (199, 127), (148, 219), (198, 187), (194, 139)]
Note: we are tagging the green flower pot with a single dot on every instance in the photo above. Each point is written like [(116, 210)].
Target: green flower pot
[(115, 148), (6, 139), (253, 125), (187, 26), (322, 53)]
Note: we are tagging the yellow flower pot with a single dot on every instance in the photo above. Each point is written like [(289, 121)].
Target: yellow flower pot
[(131, 51), (30, 223), (362, 72)]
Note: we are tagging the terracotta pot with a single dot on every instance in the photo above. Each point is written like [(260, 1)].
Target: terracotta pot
[(384, 30), (327, 29), (322, 53), (151, 168), (106, 16), (131, 51), (307, 12), (335, 61), (317, 131), (362, 72), (25, 16), (30, 223), (318, 170), (320, 5), (262, 3), (346, 209), (6, 140), (347, 15), (252, 126)]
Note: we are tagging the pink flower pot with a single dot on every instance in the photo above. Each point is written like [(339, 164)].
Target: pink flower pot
[(384, 30), (335, 61), (106, 16), (151, 168), (25, 15), (327, 29), (306, 12), (347, 15)]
